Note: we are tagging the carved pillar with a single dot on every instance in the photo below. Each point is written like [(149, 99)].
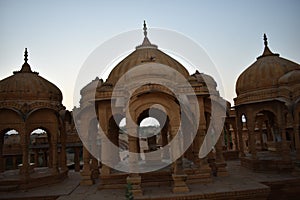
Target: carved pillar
[(228, 134), (134, 178), (252, 145), (45, 158), (164, 138), (261, 135), (233, 137), (95, 168), (54, 152), (236, 143), (179, 177), (86, 174), (2, 167), (63, 153), (204, 171), (297, 146), (204, 166), (14, 158), (36, 157), (24, 170), (220, 162), (297, 141), (105, 154), (76, 159), (113, 135), (240, 135), (285, 151)]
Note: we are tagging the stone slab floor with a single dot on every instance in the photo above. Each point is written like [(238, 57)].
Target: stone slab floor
[(239, 179)]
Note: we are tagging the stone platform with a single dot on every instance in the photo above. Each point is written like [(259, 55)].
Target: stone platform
[(11, 180), (241, 183)]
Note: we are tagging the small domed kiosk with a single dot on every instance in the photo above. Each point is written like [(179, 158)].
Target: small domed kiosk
[(267, 103), (141, 82), (30, 106)]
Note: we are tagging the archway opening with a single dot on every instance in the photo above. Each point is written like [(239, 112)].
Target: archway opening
[(149, 134), (11, 149), (153, 134), (267, 131), (40, 148)]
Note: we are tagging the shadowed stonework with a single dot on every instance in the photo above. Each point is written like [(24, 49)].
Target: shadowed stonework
[(200, 146)]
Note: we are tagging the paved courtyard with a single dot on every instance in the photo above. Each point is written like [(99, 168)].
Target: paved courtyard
[(240, 181)]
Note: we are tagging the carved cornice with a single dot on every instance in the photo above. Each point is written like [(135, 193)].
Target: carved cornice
[(27, 107)]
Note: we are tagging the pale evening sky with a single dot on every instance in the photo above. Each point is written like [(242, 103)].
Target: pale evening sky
[(60, 35)]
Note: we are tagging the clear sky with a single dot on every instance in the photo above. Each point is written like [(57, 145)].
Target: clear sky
[(60, 35)]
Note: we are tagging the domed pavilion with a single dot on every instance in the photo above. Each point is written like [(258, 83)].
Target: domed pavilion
[(30, 106), (141, 82), (268, 104)]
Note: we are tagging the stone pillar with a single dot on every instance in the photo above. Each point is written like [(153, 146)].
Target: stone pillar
[(95, 168), (252, 143), (45, 158), (54, 153), (296, 170), (285, 151), (24, 170), (204, 172), (76, 159), (63, 152), (297, 141), (220, 162), (113, 135), (14, 158), (261, 135), (233, 137), (2, 167), (86, 174), (36, 157), (105, 154), (228, 134), (246, 137), (178, 176), (164, 138), (134, 178), (239, 128), (236, 143)]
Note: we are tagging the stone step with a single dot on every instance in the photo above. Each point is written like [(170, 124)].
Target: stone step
[(8, 188)]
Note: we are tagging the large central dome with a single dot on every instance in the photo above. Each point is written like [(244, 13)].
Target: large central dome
[(144, 53)]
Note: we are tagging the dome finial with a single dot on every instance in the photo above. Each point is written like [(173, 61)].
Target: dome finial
[(146, 43), (267, 51), (145, 29), (265, 40), (25, 67), (26, 55)]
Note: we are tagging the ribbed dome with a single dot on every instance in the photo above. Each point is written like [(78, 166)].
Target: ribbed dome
[(204, 78), (144, 53), (141, 56), (26, 85), (264, 73), (290, 78)]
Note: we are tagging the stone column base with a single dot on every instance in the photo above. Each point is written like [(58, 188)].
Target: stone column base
[(221, 169), (86, 178), (296, 170), (180, 183), (199, 176), (135, 182)]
